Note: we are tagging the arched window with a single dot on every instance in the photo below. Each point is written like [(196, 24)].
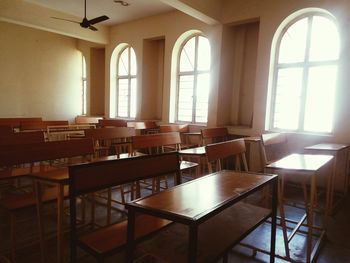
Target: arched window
[(304, 75), (126, 83), (193, 80)]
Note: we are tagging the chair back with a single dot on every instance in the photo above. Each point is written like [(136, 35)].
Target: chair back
[(21, 138), (214, 135), (16, 122), (218, 152), (274, 146), (32, 125), (80, 119), (156, 141), (174, 128)]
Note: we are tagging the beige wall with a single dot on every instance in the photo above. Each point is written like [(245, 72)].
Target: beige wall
[(40, 74)]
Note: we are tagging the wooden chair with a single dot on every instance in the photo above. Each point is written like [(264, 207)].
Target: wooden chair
[(180, 128), (274, 146), (96, 176), (158, 143), (105, 138), (214, 135), (41, 152), (112, 123), (145, 127), (218, 152)]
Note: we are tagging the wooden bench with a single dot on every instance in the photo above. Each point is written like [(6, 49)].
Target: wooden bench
[(5, 130), (112, 123), (22, 138), (15, 123), (145, 127), (180, 128), (80, 119), (16, 154), (95, 176)]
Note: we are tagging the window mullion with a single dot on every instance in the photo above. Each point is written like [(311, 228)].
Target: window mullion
[(305, 76), (195, 75)]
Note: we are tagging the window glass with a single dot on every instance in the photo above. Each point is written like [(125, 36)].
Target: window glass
[(293, 43), (305, 81), (193, 81), (126, 84)]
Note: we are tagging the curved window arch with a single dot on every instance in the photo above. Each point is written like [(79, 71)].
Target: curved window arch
[(126, 83), (193, 80), (305, 65)]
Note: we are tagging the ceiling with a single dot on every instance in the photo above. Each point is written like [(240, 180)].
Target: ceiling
[(116, 12)]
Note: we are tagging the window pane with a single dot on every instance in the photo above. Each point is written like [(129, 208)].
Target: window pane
[(133, 65), (123, 98), (133, 98), (293, 43), (123, 65), (287, 100), (203, 53), (187, 56), (320, 99), (185, 102), (202, 97), (324, 40)]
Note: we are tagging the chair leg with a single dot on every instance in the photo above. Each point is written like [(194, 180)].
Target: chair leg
[(109, 205)]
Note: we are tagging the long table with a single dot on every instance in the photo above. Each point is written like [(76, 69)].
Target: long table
[(212, 211)]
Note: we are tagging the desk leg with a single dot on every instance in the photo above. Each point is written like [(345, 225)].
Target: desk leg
[(38, 191), (60, 212), (310, 219), (192, 246), (280, 194), (273, 221), (130, 245)]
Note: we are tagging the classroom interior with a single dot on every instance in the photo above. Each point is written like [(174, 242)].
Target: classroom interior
[(55, 70)]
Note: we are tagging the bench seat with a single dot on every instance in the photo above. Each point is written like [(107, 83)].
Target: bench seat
[(109, 239)]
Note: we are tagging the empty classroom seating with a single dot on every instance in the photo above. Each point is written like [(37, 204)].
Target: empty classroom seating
[(96, 176), (112, 123)]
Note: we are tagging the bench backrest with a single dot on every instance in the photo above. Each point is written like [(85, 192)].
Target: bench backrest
[(87, 119), (43, 151), (112, 123), (110, 133), (218, 151), (214, 135), (22, 138), (15, 122), (157, 140), (94, 176)]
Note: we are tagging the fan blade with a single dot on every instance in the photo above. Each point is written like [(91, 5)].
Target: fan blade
[(92, 28), (65, 19), (98, 20)]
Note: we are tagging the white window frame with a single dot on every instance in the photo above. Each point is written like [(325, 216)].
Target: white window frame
[(128, 77), (193, 73), (305, 65), (84, 86)]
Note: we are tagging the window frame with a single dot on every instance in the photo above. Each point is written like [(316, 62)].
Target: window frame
[(129, 78), (305, 65), (193, 73)]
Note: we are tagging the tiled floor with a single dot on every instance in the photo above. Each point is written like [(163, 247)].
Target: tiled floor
[(336, 247)]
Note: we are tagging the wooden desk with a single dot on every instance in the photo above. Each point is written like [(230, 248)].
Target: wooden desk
[(305, 168), (340, 153), (207, 205), (198, 154)]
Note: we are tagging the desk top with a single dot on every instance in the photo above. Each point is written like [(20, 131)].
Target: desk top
[(327, 147), (301, 162), (198, 198), (193, 151)]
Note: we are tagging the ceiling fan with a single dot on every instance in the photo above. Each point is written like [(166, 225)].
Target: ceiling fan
[(85, 23)]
